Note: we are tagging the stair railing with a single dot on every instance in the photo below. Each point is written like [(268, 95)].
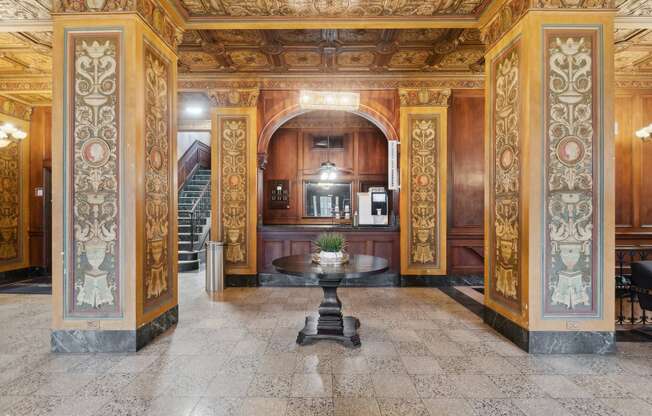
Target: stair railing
[(199, 206)]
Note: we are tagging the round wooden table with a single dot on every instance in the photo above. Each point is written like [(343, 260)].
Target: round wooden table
[(331, 324)]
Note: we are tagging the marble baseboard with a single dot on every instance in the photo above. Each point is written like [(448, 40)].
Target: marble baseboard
[(85, 341), (241, 280), (442, 281), (552, 342)]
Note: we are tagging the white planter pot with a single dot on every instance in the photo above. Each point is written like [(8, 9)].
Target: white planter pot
[(326, 257)]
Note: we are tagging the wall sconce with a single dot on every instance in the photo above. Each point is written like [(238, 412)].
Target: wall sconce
[(9, 133), (329, 100), (645, 133)]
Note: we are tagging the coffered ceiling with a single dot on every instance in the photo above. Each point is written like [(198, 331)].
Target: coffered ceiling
[(338, 51), (26, 54), (633, 51)]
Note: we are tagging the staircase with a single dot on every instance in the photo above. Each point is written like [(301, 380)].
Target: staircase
[(194, 218)]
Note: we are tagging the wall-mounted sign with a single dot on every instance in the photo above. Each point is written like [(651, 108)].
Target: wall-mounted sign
[(393, 178)]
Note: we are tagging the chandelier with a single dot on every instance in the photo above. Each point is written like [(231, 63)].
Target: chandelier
[(645, 133), (9, 133)]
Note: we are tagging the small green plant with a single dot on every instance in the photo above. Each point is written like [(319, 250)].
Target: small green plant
[(330, 242)]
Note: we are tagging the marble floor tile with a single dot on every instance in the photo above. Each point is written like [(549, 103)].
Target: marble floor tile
[(587, 407), (629, 407), (393, 386), (541, 407), (402, 407), (356, 407), (435, 386), (448, 407), (229, 385), (312, 385), (270, 385), (425, 355), (310, 407), (558, 386), (475, 386), (263, 406), (217, 407), (495, 407), (353, 385), (421, 365), (517, 386)]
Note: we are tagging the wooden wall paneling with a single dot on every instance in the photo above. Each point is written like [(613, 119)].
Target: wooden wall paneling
[(277, 243), (39, 159), (645, 155), (291, 156), (633, 110), (624, 112), (283, 166), (466, 182)]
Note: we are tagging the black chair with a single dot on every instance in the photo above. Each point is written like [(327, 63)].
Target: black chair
[(642, 287)]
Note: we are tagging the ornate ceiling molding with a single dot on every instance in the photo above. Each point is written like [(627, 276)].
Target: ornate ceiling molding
[(22, 10), (330, 9), (233, 97), (37, 85), (634, 83), (15, 109), (190, 83), (501, 19), (414, 97), (151, 11)]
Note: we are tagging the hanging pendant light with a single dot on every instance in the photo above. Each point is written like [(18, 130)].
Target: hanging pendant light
[(328, 169)]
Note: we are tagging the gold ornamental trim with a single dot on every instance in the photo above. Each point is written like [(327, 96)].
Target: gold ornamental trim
[(234, 97), (155, 15), (15, 109), (414, 97)]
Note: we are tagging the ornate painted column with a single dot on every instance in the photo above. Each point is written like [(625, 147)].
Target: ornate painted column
[(114, 175), (234, 178), (549, 209), (423, 119)]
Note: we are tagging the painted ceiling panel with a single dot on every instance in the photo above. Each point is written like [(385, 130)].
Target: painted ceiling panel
[(329, 8)]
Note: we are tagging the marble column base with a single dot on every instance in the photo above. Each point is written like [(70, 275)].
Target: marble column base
[(76, 340), (552, 342)]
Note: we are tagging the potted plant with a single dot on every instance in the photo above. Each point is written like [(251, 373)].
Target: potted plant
[(330, 249)]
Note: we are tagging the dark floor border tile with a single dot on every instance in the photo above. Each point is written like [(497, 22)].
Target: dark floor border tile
[(538, 342), (91, 341)]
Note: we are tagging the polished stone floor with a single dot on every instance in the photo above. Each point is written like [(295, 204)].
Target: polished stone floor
[(422, 354)]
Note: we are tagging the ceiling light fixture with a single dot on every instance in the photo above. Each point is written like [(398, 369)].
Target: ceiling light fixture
[(9, 133), (645, 133), (194, 110), (329, 100)]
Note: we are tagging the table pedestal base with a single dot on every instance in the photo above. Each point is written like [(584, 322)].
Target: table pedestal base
[(346, 334)]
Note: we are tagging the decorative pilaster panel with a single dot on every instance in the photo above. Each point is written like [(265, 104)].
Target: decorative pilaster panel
[(504, 252), (233, 164), (11, 211), (423, 179), (92, 234), (157, 267), (234, 190), (572, 270)]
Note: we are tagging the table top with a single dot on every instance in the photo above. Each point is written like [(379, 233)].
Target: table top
[(357, 266)]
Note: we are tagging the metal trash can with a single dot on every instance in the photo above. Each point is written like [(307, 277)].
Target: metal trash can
[(215, 266)]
